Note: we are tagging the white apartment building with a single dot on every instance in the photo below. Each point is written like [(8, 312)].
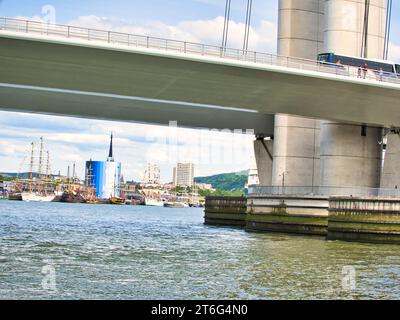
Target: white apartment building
[(183, 175)]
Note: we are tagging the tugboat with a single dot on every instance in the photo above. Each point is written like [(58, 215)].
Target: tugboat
[(15, 196), (117, 200), (72, 197)]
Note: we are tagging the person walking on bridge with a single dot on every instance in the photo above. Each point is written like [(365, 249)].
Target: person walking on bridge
[(380, 74), (359, 71), (365, 70)]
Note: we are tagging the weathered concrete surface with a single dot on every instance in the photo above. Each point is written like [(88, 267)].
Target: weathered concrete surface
[(287, 214), (348, 158), (296, 152), (364, 220), (229, 211)]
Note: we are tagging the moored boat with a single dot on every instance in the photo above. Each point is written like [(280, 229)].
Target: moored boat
[(154, 202), (117, 200), (72, 197), (175, 205), (37, 197), (15, 196)]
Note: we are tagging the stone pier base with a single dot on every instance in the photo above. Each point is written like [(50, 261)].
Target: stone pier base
[(228, 211), (364, 219), (287, 214)]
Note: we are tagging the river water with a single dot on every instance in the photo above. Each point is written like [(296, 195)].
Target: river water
[(74, 251)]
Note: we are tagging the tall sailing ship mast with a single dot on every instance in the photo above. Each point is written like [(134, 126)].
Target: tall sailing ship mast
[(31, 167), (40, 164), (38, 190)]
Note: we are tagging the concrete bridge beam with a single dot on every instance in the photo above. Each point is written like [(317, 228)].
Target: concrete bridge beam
[(263, 150), (391, 168)]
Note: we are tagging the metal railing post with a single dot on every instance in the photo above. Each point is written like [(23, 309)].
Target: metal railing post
[(202, 49), (109, 36), (147, 41), (27, 26), (68, 31), (255, 57), (184, 47)]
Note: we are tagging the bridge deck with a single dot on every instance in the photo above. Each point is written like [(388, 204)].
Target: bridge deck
[(63, 70)]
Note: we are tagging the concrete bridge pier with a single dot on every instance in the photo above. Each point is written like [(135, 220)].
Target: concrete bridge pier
[(296, 159), (297, 139), (296, 152), (351, 155)]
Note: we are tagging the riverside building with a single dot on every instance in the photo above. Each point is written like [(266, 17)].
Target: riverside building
[(104, 176), (183, 175)]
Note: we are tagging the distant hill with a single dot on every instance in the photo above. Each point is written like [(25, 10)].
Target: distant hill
[(226, 181)]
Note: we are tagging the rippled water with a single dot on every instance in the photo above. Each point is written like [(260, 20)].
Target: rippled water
[(128, 252)]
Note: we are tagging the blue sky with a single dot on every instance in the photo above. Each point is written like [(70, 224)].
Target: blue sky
[(75, 140), (138, 11)]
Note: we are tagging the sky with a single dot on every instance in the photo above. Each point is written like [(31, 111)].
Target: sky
[(76, 140)]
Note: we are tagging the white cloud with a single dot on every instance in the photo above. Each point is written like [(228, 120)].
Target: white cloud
[(262, 37)]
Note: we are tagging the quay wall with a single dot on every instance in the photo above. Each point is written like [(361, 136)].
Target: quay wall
[(228, 211), (364, 219), (360, 219), (287, 214)]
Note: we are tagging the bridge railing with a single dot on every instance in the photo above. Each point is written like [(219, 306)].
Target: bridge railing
[(324, 191), (118, 38)]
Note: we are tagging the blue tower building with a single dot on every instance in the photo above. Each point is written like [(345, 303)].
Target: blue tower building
[(104, 176)]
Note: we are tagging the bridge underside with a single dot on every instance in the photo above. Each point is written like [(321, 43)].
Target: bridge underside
[(132, 109), (98, 81), (69, 80)]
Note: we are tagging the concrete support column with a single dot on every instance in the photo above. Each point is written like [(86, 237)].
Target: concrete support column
[(263, 150), (351, 156), (296, 151), (296, 139), (300, 28), (344, 25), (391, 168)]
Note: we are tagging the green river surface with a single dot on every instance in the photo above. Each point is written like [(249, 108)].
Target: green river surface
[(128, 252)]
